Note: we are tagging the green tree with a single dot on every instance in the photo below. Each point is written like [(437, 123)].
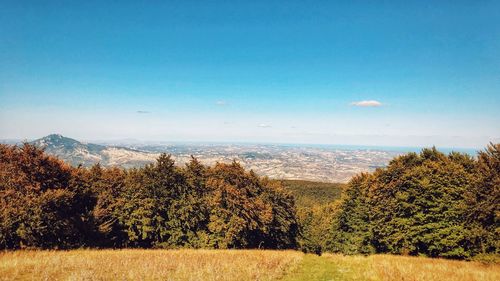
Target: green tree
[(351, 231), (421, 210), (483, 201), (188, 210), (108, 185)]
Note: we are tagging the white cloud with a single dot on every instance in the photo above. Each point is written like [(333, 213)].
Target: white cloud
[(264, 125), (143, 111), (220, 102), (367, 103)]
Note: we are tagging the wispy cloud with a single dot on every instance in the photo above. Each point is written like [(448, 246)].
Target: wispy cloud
[(221, 103), (264, 125), (367, 103), (143, 111)]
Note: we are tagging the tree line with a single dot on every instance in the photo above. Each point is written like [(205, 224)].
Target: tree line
[(46, 203), (425, 203)]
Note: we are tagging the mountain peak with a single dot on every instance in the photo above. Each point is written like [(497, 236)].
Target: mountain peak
[(56, 139), (75, 152), (54, 136)]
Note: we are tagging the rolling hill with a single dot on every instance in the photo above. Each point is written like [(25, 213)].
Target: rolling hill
[(87, 154)]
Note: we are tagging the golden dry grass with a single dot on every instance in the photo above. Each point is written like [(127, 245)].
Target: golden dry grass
[(399, 268), (419, 269), (146, 265), (232, 265)]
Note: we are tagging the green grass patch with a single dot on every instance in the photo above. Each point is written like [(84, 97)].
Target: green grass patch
[(323, 268)]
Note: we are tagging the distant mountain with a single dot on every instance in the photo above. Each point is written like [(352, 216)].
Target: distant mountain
[(299, 162), (87, 154)]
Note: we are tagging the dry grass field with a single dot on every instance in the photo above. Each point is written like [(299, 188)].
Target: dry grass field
[(146, 265), (389, 267), (231, 265)]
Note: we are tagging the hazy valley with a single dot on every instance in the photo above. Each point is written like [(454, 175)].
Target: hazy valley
[(315, 163)]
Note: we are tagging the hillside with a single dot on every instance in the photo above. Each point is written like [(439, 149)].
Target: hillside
[(308, 193), (87, 154)]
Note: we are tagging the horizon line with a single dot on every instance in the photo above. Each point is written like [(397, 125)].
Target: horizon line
[(132, 141)]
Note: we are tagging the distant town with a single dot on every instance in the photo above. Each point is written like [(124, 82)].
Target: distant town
[(285, 162)]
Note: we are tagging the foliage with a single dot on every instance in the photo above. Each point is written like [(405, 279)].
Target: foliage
[(428, 204), (352, 231), (422, 204), (315, 211), (48, 204), (310, 194), (40, 205), (314, 224), (483, 203), (248, 212)]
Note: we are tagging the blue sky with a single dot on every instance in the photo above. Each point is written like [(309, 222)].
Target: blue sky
[(256, 71)]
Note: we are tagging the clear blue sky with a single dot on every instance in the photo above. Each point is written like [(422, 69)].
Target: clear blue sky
[(257, 71)]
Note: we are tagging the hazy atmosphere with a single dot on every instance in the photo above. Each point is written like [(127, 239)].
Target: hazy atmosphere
[(399, 74)]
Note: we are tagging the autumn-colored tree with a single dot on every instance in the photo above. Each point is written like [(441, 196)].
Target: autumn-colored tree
[(40, 205), (283, 229), (246, 212)]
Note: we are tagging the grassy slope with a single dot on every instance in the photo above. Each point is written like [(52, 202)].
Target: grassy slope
[(231, 265), (314, 267), (390, 268), (308, 193)]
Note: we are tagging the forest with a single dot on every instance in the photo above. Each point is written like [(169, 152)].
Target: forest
[(422, 204)]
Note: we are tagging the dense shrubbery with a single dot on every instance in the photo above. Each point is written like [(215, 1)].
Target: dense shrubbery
[(423, 204), (45, 203)]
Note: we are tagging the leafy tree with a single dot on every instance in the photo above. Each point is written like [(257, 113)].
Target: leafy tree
[(147, 198), (421, 204), (40, 206), (421, 211), (246, 212), (108, 186), (483, 201), (282, 230), (315, 226), (351, 228), (188, 210)]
